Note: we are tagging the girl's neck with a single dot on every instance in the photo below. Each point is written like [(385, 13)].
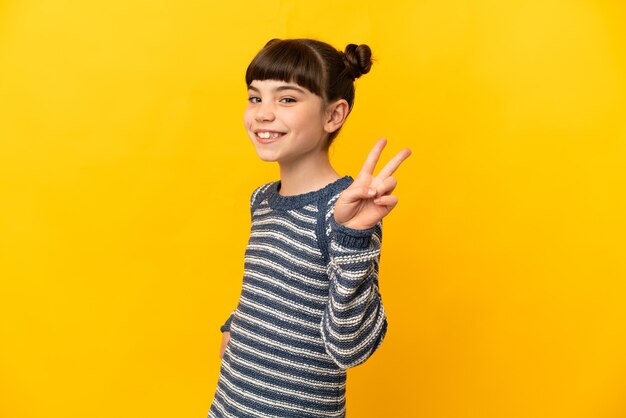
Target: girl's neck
[(306, 176)]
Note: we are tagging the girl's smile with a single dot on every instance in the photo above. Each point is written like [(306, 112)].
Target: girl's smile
[(267, 137)]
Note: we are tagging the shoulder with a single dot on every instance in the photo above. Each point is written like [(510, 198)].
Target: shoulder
[(328, 228), (259, 192), (258, 195), (326, 208), (327, 204), (333, 190)]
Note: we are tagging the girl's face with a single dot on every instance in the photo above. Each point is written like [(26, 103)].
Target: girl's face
[(285, 121)]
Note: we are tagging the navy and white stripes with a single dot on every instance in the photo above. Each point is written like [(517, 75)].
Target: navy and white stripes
[(309, 309)]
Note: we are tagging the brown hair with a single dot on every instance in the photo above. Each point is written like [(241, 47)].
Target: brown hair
[(312, 64)]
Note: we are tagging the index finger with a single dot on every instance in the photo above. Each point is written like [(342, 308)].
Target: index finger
[(392, 165), (372, 157)]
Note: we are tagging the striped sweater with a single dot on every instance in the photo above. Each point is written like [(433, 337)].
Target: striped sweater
[(309, 309)]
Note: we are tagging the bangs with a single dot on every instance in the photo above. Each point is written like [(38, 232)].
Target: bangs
[(291, 61)]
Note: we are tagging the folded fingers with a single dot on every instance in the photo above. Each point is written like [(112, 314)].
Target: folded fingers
[(386, 186), (388, 201)]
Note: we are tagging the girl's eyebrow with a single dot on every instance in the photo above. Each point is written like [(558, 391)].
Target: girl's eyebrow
[(290, 87), (282, 88)]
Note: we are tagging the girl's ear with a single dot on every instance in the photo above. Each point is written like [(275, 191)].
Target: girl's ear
[(337, 112)]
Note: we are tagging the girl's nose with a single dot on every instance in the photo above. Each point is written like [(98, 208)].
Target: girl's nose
[(264, 113)]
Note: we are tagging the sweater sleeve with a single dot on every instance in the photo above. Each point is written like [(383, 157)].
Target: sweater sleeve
[(226, 326), (354, 322)]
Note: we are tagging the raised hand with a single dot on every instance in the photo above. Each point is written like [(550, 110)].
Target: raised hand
[(369, 198)]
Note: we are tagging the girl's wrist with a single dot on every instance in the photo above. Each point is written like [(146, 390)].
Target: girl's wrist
[(352, 237), (355, 226)]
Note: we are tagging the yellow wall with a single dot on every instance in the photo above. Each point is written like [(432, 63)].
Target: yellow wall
[(125, 175)]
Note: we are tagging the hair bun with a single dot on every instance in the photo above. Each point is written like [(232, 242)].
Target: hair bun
[(358, 59), (272, 42)]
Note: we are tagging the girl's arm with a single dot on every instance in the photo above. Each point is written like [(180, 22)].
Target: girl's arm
[(225, 340), (354, 322)]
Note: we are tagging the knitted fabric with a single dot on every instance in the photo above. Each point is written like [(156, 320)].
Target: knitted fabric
[(309, 309)]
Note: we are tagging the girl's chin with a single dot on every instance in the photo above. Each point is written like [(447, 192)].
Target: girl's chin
[(266, 156), (267, 159)]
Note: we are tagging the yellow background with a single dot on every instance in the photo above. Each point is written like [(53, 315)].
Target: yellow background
[(125, 175)]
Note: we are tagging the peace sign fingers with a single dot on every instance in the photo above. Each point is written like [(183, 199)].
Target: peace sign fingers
[(391, 166), (369, 198), (372, 158)]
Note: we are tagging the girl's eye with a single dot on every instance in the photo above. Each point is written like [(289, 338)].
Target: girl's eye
[(254, 99), (287, 100)]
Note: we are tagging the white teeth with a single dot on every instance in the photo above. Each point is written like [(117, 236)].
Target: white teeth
[(268, 135)]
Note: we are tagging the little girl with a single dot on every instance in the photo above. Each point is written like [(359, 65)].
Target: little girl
[(310, 306)]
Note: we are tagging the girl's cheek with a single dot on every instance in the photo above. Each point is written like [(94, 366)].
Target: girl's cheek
[(247, 118)]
